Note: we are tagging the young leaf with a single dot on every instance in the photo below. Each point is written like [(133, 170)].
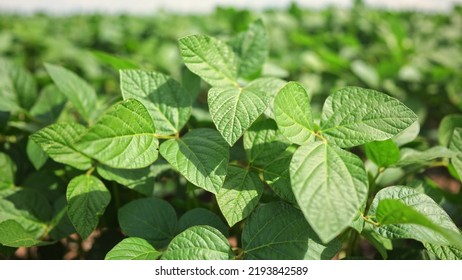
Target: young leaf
[(8, 170), (382, 153), (292, 111), (278, 231), (263, 142), (446, 128), (165, 99), (456, 146), (239, 195), (234, 109), (57, 141), (35, 154), (213, 60), (410, 156), (87, 198), (444, 252), (151, 218), (201, 217), (353, 116), (133, 248), (330, 185), (201, 156), (12, 234), (77, 91), (198, 243), (122, 138), (17, 87), (252, 49), (115, 62), (405, 213)]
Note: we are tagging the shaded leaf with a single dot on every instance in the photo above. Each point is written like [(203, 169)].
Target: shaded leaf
[(382, 153), (8, 170), (201, 217)]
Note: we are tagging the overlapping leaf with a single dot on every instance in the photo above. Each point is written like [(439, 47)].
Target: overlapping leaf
[(166, 100), (330, 185), (279, 231), (353, 116), (133, 248), (8, 170), (87, 198), (122, 138), (57, 140), (456, 146), (201, 156), (200, 217), (382, 153)]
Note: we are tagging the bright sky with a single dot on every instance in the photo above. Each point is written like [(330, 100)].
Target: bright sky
[(194, 6)]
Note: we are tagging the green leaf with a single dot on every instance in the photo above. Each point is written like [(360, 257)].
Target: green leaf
[(446, 128), (198, 243), (263, 142), (201, 156), (330, 186), (366, 73), (353, 116), (35, 154), (252, 48), (380, 243), (456, 146), (382, 153), (113, 61), (277, 175), (12, 234), (213, 60), (407, 135), (234, 109), (406, 213), (17, 87), (122, 138), (57, 141), (87, 198), (133, 248), (292, 111), (136, 179), (444, 252), (191, 82), (49, 105), (151, 218), (8, 170), (278, 231), (410, 156), (201, 217), (239, 195), (168, 103), (77, 91)]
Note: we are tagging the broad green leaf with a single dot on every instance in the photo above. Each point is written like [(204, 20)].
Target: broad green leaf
[(27, 207), (234, 109), (136, 179), (292, 111), (382, 153), (330, 185), (277, 175), (87, 198), (201, 156), (61, 225), (416, 216), (456, 146), (353, 116), (168, 103), (122, 138), (410, 156), (201, 217), (57, 141), (113, 61), (213, 60), (152, 219), (444, 252), (35, 154), (77, 91), (133, 248), (446, 128), (49, 105), (7, 171), (263, 142), (12, 234), (252, 48), (198, 243), (279, 231), (239, 195), (17, 87)]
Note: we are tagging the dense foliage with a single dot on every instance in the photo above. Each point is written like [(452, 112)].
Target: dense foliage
[(284, 135)]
